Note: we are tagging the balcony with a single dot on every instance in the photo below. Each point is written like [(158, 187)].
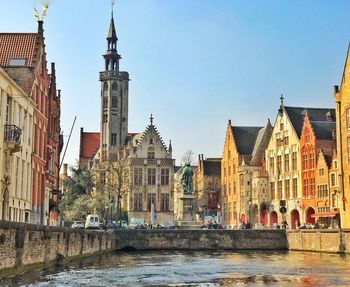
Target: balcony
[(12, 137)]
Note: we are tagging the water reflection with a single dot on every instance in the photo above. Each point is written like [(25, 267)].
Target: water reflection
[(196, 269)]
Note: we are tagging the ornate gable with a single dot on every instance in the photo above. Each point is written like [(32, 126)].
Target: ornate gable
[(148, 141)]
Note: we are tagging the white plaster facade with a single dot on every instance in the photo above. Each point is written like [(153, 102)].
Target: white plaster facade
[(16, 114)]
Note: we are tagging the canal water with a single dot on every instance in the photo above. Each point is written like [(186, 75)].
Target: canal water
[(197, 268)]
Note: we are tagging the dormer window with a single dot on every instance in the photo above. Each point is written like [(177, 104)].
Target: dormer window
[(329, 117), (17, 61)]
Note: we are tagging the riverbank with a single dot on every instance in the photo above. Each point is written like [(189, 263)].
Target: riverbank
[(24, 246)]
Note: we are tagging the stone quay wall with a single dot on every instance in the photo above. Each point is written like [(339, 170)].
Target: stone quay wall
[(324, 240), (25, 244), (155, 239)]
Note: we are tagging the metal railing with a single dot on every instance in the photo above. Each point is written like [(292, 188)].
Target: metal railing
[(12, 134)]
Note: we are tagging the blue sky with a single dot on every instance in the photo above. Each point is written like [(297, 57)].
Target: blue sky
[(193, 64)]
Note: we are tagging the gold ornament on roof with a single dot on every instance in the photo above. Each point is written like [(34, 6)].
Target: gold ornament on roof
[(43, 13)]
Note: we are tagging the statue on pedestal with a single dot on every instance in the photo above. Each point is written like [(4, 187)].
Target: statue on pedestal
[(186, 179)]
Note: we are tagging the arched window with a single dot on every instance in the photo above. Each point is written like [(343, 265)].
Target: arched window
[(151, 153), (115, 86)]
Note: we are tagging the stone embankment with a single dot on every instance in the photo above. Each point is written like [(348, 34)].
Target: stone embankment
[(25, 246), (156, 239), (34, 245), (319, 240)]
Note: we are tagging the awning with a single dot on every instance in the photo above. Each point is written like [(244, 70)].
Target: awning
[(325, 214)]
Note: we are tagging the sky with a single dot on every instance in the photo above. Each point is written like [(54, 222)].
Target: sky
[(193, 64)]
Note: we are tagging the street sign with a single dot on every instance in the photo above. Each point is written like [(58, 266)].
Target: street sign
[(283, 209)]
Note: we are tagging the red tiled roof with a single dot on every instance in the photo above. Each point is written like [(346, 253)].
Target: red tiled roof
[(90, 143), (17, 45)]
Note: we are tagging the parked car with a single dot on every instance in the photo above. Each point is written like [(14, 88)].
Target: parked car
[(78, 224), (136, 222), (92, 221)]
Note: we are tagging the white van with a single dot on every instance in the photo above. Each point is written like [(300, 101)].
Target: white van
[(92, 221)]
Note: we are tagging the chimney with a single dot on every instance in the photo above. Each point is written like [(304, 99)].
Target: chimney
[(335, 89), (40, 28)]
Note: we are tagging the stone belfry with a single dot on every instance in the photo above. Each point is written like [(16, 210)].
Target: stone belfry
[(114, 100)]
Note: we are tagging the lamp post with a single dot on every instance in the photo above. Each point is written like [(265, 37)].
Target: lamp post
[(219, 213), (250, 213)]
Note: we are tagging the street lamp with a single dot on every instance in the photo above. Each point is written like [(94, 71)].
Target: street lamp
[(250, 213)]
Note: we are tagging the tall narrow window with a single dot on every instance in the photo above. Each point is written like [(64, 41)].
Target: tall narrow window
[(164, 202), (114, 102), (287, 187), (294, 160), (164, 176), (279, 189), (151, 199), (137, 176), (113, 139), (138, 202), (272, 165), (272, 189), (151, 178), (348, 119), (279, 165), (286, 163), (312, 160), (306, 186), (295, 188), (349, 150)]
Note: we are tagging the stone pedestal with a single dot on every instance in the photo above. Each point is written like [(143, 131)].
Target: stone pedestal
[(187, 216)]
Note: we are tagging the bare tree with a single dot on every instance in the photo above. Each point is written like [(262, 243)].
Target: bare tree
[(188, 157), (117, 182)]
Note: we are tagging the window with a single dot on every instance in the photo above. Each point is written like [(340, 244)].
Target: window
[(279, 165), (113, 139), (151, 153), (321, 172), (294, 160), (312, 187), (272, 165), (114, 102), (164, 202), (322, 191), (138, 202), (137, 176), (151, 199), (305, 187), (312, 160), (286, 140), (229, 188), (287, 187), (348, 119), (105, 103), (224, 171), (349, 150), (241, 180), (115, 86), (9, 110), (164, 176), (104, 117), (295, 187), (151, 176), (304, 161), (279, 189), (332, 179), (286, 163), (17, 62), (234, 187), (272, 186)]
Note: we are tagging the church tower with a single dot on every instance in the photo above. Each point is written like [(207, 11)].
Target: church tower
[(114, 100)]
